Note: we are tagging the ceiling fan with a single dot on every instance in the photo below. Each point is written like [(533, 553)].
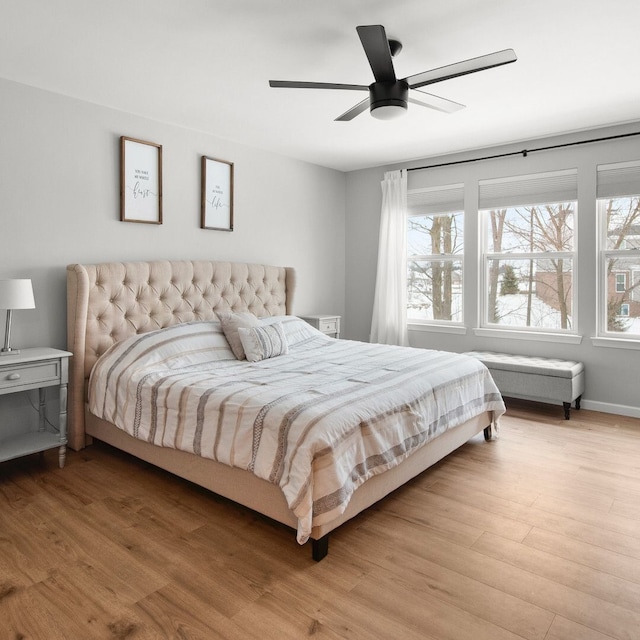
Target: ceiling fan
[(388, 96)]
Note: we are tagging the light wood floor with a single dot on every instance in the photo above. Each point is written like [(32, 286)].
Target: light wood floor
[(535, 536)]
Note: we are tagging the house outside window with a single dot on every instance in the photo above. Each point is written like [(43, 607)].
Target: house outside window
[(529, 252), (635, 292), (435, 261), (618, 192)]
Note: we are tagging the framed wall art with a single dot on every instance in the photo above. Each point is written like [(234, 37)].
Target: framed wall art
[(217, 194), (140, 181)]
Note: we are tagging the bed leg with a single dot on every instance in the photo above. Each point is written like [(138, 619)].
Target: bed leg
[(320, 548), (488, 433)]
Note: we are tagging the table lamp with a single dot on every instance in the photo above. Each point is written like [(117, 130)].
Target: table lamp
[(14, 294)]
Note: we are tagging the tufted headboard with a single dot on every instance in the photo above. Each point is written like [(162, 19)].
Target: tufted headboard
[(112, 301)]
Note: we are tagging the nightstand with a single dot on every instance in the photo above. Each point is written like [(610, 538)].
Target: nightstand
[(327, 324), (36, 369)]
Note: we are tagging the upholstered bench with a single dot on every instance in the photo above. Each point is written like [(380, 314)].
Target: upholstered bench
[(535, 378)]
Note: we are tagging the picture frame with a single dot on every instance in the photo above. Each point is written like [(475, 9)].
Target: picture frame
[(216, 194), (140, 181)]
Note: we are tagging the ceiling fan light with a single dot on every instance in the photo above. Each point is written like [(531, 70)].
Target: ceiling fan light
[(388, 111), (388, 100)]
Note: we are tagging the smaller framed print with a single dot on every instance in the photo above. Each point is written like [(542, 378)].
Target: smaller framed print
[(217, 194), (140, 181)]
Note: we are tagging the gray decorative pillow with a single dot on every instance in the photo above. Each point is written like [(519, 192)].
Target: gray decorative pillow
[(230, 323), (266, 341)]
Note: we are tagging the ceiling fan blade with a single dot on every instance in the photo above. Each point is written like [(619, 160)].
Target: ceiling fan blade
[(435, 102), (462, 68), (354, 111), (286, 84), (376, 46)]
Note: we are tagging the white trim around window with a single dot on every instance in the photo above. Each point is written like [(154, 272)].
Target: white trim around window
[(522, 257), (528, 334), (618, 213), (435, 258), (456, 328)]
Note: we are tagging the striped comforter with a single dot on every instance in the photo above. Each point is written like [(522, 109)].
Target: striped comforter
[(317, 421)]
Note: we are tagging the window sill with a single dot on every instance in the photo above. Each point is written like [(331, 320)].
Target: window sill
[(564, 338), (616, 343), (437, 328)]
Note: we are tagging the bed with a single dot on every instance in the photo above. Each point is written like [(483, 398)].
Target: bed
[(119, 309)]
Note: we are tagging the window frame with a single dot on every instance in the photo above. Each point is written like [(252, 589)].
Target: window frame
[(605, 254), (452, 193), (487, 328), (508, 257), (613, 181)]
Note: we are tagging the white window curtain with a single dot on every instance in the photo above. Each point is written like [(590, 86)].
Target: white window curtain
[(389, 322)]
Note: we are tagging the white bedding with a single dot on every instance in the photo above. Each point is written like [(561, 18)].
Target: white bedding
[(318, 421)]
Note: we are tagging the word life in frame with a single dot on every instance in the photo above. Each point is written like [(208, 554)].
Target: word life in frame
[(217, 194)]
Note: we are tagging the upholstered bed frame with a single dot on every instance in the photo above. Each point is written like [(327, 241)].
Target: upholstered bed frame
[(109, 302)]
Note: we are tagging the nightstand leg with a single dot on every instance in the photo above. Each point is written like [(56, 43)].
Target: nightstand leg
[(41, 408), (63, 425)]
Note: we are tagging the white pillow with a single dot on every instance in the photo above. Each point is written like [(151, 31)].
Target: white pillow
[(267, 341), (297, 330), (230, 323)]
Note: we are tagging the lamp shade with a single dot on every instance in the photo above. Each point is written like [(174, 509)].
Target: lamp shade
[(16, 294)]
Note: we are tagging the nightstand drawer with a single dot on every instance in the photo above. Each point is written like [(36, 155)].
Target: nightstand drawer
[(328, 326), (28, 374)]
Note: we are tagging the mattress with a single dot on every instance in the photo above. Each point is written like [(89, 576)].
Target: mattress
[(317, 421)]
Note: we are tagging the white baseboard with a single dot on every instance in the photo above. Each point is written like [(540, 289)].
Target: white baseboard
[(606, 407), (592, 405)]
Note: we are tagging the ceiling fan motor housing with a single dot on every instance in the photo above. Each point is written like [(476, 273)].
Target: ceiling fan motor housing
[(388, 94)]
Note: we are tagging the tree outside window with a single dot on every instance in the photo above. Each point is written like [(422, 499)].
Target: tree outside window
[(434, 278), (529, 265), (621, 258)]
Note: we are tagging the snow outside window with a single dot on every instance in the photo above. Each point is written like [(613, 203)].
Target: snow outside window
[(529, 252), (618, 191), (435, 247)]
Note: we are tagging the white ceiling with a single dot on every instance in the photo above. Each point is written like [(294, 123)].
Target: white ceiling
[(205, 64)]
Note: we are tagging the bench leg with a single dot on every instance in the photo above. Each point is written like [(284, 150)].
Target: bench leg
[(578, 403), (567, 410)]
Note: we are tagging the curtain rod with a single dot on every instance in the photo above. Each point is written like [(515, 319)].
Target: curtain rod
[(525, 152)]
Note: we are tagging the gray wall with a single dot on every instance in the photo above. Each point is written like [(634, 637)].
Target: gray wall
[(59, 204), (609, 385)]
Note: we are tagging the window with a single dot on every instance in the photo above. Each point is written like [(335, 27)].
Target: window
[(618, 191), (635, 292), (435, 255), (529, 252)]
